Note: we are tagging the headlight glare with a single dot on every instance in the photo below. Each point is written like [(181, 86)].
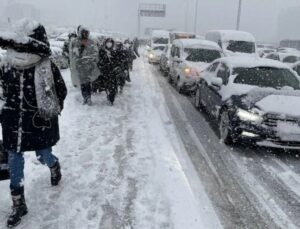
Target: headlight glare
[(248, 116)]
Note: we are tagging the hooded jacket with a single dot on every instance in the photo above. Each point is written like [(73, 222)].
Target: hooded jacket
[(23, 126)]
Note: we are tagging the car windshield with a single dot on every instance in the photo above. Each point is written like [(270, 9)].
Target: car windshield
[(161, 48), (160, 40), (266, 77), (241, 46), (202, 55)]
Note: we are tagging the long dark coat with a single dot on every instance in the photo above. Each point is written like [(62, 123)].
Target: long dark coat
[(22, 128)]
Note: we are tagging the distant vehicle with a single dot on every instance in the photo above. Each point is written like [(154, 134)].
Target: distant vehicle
[(253, 99), (174, 35), (233, 42), (264, 49), (188, 58), (164, 63), (155, 53), (288, 50), (288, 58), (159, 38)]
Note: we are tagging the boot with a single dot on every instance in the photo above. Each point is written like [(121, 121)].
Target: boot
[(55, 174), (19, 210)]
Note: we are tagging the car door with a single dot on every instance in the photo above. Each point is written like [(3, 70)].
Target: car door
[(205, 83), (215, 97)]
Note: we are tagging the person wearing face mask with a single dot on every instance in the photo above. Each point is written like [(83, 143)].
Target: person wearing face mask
[(109, 68), (34, 93), (83, 63)]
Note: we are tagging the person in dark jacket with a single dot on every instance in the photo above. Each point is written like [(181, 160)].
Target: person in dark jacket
[(131, 55), (122, 59), (136, 45), (109, 68), (34, 93)]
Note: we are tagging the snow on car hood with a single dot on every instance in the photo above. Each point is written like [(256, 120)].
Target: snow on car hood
[(280, 104), (268, 100)]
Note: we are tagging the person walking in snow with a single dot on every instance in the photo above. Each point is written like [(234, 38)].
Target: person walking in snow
[(122, 59), (131, 55), (110, 68), (34, 93), (66, 47), (136, 45), (84, 58)]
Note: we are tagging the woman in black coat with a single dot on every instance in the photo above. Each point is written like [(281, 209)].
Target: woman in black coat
[(33, 94), (110, 68)]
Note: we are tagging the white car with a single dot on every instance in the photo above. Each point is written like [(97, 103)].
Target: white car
[(234, 43), (155, 53), (254, 100), (188, 58), (287, 58)]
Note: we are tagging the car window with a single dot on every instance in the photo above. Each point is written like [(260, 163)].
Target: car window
[(297, 69), (272, 57), (223, 73), (213, 67), (202, 55), (266, 77), (290, 59), (177, 52)]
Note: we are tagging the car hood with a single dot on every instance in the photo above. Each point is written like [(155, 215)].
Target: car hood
[(284, 102)]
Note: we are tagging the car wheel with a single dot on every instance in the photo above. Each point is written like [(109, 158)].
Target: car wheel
[(178, 86), (170, 78), (197, 102), (224, 128)]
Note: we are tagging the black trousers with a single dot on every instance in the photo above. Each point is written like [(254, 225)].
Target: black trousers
[(86, 90)]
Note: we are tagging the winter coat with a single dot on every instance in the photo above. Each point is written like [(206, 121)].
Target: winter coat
[(83, 62), (123, 57), (22, 127)]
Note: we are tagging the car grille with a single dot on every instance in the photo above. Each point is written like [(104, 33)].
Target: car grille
[(272, 120)]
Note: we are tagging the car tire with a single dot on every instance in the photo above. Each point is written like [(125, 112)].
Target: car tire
[(224, 128), (197, 99), (178, 87), (170, 78)]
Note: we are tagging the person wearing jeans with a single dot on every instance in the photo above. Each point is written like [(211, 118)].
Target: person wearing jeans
[(16, 166), (33, 92)]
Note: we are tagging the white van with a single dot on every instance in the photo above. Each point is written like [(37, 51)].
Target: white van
[(159, 38), (234, 42)]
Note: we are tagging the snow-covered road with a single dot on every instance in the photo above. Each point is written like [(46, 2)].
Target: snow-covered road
[(250, 187), (123, 167)]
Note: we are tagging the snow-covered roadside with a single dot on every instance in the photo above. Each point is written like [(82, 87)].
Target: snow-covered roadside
[(120, 168)]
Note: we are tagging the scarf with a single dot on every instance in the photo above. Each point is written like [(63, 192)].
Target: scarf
[(46, 97)]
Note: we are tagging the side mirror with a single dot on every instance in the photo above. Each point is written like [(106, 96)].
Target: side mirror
[(217, 82)]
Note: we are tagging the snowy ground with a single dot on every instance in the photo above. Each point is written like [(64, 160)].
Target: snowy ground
[(123, 167)]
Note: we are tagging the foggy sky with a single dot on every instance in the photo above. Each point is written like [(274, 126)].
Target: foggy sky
[(258, 16)]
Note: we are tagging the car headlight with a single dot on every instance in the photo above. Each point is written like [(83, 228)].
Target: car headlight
[(151, 55), (248, 116), (190, 72)]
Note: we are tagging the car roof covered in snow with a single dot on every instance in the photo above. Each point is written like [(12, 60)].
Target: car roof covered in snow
[(250, 62), (197, 43), (160, 33), (227, 35)]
